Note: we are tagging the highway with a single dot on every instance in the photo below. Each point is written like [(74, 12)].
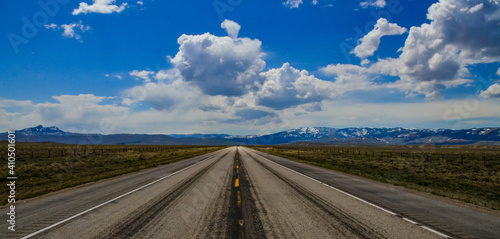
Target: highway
[(238, 192)]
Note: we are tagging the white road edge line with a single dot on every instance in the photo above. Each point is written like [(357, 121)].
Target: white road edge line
[(432, 230), (107, 202), (359, 199), (410, 221)]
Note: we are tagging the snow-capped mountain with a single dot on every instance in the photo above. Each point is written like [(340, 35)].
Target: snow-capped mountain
[(40, 130), (372, 136), (324, 135), (378, 136)]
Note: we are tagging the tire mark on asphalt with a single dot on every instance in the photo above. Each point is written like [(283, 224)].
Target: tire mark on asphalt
[(143, 215), (396, 210), (81, 206), (353, 225)]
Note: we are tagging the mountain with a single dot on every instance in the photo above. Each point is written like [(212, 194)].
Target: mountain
[(54, 134), (40, 130), (323, 135), (200, 136), (382, 136)]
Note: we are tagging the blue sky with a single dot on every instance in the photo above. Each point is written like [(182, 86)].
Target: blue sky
[(249, 67)]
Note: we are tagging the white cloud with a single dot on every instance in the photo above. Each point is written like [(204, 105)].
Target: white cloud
[(100, 6), (69, 29), (287, 87), (492, 92), (89, 113), (373, 3), (442, 50), (370, 42), (82, 99), (344, 69), (161, 96), (140, 2), (351, 77), (232, 28), (314, 2), (498, 71), (129, 102), (292, 3), (219, 65), (168, 74), (365, 62), (476, 8), (51, 26), (84, 111), (437, 55), (116, 76), (144, 75)]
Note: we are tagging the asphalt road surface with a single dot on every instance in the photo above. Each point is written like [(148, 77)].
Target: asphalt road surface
[(241, 193)]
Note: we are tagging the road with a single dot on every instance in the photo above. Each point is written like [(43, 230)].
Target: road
[(241, 193)]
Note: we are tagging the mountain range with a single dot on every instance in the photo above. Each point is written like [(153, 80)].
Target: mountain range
[(313, 135)]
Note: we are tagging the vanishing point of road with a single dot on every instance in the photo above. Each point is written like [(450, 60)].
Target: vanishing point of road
[(238, 192)]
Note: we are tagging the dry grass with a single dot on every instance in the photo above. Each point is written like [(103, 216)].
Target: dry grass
[(72, 165), (467, 173)]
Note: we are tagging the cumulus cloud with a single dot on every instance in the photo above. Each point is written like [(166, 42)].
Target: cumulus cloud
[(100, 6), (219, 65), (163, 96), (492, 91), (370, 42), (69, 29), (373, 3), (351, 77), (167, 74), (129, 102), (292, 3), (288, 87), (232, 28), (455, 39), (226, 75), (437, 55), (144, 75)]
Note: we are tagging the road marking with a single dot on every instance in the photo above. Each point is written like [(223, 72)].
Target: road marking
[(236, 183), (432, 230), (410, 221), (359, 199), (109, 201), (239, 199)]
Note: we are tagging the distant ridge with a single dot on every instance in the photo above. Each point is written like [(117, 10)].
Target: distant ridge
[(315, 135)]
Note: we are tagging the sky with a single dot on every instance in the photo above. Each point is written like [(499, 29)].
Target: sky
[(248, 67)]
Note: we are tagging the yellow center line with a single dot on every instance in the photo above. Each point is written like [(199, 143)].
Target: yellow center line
[(237, 183), (239, 199)]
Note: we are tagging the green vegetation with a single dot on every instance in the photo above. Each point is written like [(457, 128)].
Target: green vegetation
[(467, 173), (47, 167)]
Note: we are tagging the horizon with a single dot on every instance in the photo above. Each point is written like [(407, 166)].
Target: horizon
[(263, 134), (249, 68)]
